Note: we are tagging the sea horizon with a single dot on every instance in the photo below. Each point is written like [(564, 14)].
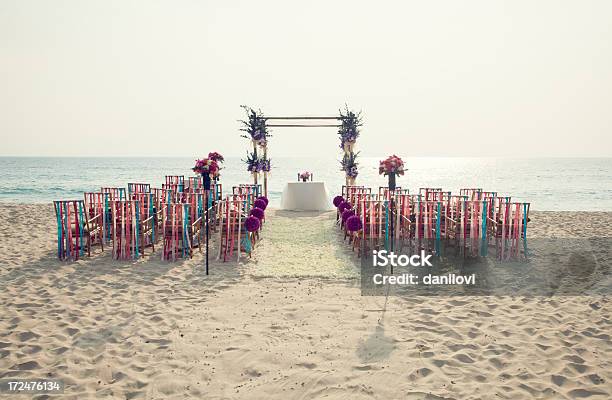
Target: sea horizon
[(548, 183), (302, 156)]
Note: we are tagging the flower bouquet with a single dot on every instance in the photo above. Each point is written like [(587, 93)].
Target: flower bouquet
[(207, 168), (218, 158), (349, 130), (215, 157), (347, 142), (392, 166), (265, 164), (254, 165), (206, 165), (304, 176), (349, 166), (255, 127)]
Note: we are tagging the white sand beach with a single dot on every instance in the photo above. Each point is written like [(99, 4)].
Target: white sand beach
[(422, 130), (275, 327)]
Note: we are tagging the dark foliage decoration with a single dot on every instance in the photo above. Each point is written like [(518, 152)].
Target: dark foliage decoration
[(255, 126), (350, 165), (349, 126)]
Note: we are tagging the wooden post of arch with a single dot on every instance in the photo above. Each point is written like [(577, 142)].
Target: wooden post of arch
[(255, 153)]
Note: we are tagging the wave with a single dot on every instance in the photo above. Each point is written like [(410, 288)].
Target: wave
[(37, 191)]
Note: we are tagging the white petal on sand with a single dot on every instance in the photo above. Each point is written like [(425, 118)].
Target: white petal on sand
[(303, 244)]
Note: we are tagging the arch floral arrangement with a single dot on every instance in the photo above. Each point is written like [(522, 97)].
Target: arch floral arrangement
[(257, 132), (350, 122)]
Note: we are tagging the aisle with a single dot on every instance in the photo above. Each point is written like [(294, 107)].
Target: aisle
[(306, 243)]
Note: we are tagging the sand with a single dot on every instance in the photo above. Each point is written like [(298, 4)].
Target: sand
[(273, 328)]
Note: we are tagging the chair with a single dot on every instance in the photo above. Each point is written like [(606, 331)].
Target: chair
[(174, 187), (139, 188), (197, 208), (247, 194), (233, 235), (175, 182), (374, 232), (427, 192), (347, 188), (386, 193), (247, 188), (471, 193), (351, 193), (77, 230), (131, 229), (217, 188), (118, 194), (509, 228), (161, 197), (194, 183), (98, 206), (115, 193), (178, 232), (147, 217)]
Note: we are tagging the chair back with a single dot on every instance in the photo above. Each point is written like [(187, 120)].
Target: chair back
[(126, 229), (115, 193), (139, 188), (98, 210), (176, 232), (175, 182), (71, 229)]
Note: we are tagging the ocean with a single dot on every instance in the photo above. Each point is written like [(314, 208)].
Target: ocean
[(559, 184)]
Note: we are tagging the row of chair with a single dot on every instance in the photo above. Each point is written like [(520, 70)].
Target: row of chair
[(134, 220), (471, 221), (130, 223), (234, 237)]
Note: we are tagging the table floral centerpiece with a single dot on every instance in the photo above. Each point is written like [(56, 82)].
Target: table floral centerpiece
[(304, 176)]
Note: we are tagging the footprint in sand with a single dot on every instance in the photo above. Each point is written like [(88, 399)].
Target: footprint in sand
[(25, 336), (26, 366)]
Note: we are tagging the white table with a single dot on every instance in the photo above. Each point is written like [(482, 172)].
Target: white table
[(305, 196)]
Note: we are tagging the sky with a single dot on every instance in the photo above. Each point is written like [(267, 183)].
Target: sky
[(432, 78)]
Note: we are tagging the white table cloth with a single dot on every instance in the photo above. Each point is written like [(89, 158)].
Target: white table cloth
[(305, 196)]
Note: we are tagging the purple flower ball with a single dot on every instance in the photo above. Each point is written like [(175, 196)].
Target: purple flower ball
[(259, 203), (354, 224), (264, 198), (345, 205), (347, 214), (338, 200), (258, 213), (252, 224)]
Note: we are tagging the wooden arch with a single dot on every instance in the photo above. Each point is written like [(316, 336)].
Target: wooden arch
[(297, 122)]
